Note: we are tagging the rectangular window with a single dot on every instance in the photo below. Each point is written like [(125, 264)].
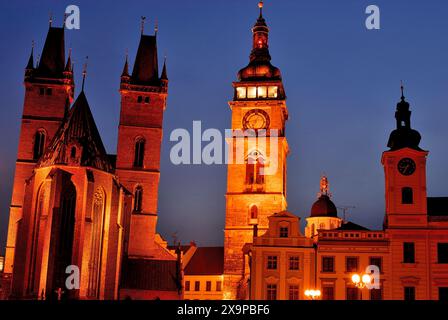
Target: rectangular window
[(294, 263), (271, 292), (376, 261), (328, 293), (187, 285), (218, 286), (409, 293), (262, 92), (273, 92), (272, 263), (352, 293), (442, 252), (49, 92), (208, 286), (443, 293), (41, 91), (293, 292), (241, 92), (376, 294), (284, 232), (197, 286), (408, 252), (327, 264), (252, 92), (351, 264)]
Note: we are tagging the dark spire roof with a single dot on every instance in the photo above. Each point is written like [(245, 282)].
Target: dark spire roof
[(404, 136), (125, 72), (52, 61), (68, 66), (146, 70), (30, 64), (78, 129), (260, 67), (164, 75)]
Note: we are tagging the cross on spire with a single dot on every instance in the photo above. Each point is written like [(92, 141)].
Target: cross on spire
[(142, 24), (402, 90), (50, 20), (84, 73)]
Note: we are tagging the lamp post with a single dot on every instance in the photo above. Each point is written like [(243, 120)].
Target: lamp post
[(361, 281), (313, 294)]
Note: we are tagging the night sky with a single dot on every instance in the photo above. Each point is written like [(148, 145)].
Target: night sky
[(342, 83)]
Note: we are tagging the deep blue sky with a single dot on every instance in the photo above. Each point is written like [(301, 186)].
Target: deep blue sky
[(342, 83)]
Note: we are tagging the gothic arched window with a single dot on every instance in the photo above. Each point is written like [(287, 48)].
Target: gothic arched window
[(138, 197), (407, 196), (139, 153), (39, 144), (96, 240), (255, 170)]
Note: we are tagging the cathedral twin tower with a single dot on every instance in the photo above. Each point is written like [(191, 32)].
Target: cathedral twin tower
[(73, 204)]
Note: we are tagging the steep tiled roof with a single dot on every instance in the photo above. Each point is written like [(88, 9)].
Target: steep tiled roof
[(78, 128), (437, 206), (52, 61), (146, 70), (142, 274), (352, 226), (206, 261)]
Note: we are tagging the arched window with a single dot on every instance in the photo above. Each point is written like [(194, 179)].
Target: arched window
[(254, 212), (407, 196), (138, 197), (64, 224), (139, 153), (96, 240), (255, 170), (322, 226), (39, 144), (73, 152)]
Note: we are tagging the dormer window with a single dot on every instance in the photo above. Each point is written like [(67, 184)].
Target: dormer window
[(146, 99), (139, 99), (284, 232)]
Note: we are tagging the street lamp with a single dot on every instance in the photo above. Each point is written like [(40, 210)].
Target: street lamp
[(313, 294), (361, 281)]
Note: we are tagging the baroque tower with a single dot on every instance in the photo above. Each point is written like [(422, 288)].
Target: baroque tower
[(405, 172), (256, 177), (49, 90), (143, 102)]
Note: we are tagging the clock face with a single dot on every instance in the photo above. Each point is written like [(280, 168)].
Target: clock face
[(406, 166), (256, 119)]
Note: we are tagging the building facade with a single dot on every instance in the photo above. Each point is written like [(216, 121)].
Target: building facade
[(74, 205)]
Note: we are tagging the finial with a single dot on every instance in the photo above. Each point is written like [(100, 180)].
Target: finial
[(142, 24), (260, 5), (50, 20), (156, 27), (84, 73), (402, 90), (324, 186)]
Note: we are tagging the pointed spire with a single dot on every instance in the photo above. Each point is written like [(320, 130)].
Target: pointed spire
[(84, 74), (324, 186), (260, 5), (125, 72), (30, 64), (68, 66), (402, 91), (142, 24), (164, 75), (50, 19), (156, 28)]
